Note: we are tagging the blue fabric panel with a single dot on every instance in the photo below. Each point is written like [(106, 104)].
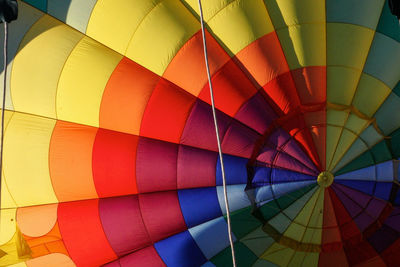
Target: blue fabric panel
[(385, 171), (397, 199), (383, 190), (363, 186), (235, 170), (365, 174), (261, 176), (180, 251), (283, 176), (281, 189), (208, 264), (211, 237), (237, 197), (199, 205), (39, 4)]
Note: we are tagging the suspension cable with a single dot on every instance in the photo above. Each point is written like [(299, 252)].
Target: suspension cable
[(3, 104), (228, 216)]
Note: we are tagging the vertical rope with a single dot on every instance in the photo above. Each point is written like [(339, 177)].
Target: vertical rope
[(3, 105), (228, 216)]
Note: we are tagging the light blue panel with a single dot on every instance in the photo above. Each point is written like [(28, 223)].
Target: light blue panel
[(237, 197), (388, 115), (75, 13), (365, 174), (383, 60), (365, 13), (281, 189), (211, 237), (208, 264), (385, 171), (265, 193), (264, 263)]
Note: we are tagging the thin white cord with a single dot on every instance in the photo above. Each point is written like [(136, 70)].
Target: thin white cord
[(228, 216), (3, 105)]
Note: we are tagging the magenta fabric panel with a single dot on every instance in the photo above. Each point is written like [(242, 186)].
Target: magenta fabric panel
[(123, 225), (142, 258), (162, 214), (256, 113), (196, 167), (156, 165), (200, 130), (239, 140)]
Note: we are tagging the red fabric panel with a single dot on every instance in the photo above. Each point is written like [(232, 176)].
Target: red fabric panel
[(239, 140), (333, 259), (231, 89), (83, 234), (114, 158), (162, 214), (391, 255), (156, 163), (144, 257), (196, 167), (331, 239), (166, 112), (310, 84)]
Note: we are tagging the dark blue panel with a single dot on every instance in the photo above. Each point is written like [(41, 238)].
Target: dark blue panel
[(180, 250), (363, 186), (397, 199), (283, 176), (235, 170), (199, 205), (262, 176), (383, 190)]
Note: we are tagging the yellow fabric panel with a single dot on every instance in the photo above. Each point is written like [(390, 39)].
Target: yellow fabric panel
[(297, 229), (297, 259), (6, 199), (336, 117), (332, 138), (26, 163), (14, 251), (21, 264), (341, 84), (346, 140), (161, 34), (370, 94), (304, 45), (311, 260), (38, 64), (289, 12), (348, 45), (210, 7), (278, 254), (83, 80), (240, 23), (113, 22), (7, 225)]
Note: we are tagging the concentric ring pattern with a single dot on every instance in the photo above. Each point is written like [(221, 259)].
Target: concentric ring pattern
[(110, 155)]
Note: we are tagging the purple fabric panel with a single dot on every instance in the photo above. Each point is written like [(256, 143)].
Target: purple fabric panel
[(156, 165), (352, 208), (199, 130), (361, 198), (123, 225), (239, 140), (393, 220), (363, 221), (383, 238), (196, 167), (256, 113), (375, 207)]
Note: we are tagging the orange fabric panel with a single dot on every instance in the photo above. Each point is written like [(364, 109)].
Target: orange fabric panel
[(166, 112), (57, 247), (71, 161), (39, 250), (310, 84), (263, 59), (188, 69), (231, 88), (125, 97)]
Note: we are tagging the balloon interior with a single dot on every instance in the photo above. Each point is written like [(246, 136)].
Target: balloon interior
[(110, 156)]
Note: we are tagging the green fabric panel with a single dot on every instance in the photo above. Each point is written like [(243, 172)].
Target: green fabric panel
[(383, 60), (388, 115), (271, 208), (396, 90), (244, 256), (258, 241), (395, 142), (388, 24), (380, 152), (243, 222), (357, 148), (351, 11), (264, 263), (39, 4)]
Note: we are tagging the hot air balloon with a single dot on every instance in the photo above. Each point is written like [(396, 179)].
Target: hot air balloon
[(110, 153)]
